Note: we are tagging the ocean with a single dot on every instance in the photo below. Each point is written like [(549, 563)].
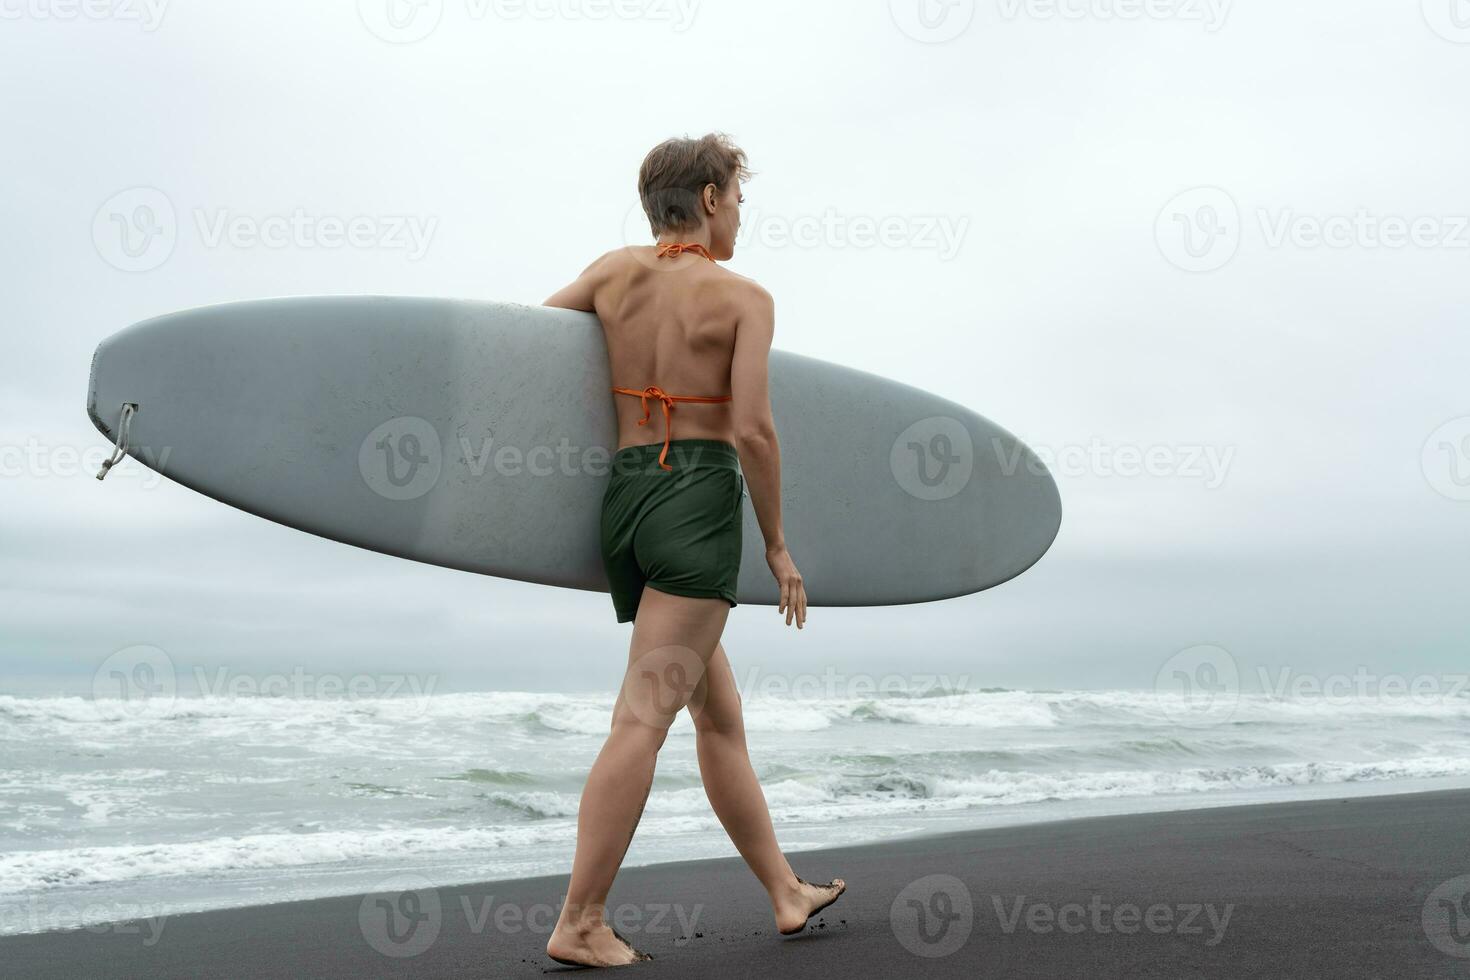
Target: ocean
[(109, 810)]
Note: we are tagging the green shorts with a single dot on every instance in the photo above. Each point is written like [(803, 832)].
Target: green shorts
[(677, 530)]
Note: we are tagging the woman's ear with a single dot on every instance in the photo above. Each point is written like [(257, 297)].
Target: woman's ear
[(711, 196)]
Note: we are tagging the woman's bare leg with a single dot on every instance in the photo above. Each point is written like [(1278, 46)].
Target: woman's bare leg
[(737, 799), (673, 640)]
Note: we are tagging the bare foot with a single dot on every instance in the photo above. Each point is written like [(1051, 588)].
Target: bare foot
[(598, 946), (795, 909)]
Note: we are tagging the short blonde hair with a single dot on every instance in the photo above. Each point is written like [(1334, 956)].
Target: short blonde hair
[(676, 172)]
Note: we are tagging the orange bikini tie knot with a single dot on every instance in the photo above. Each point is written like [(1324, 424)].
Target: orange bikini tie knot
[(653, 391), (679, 248)]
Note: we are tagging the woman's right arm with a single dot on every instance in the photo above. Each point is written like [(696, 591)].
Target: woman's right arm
[(755, 437)]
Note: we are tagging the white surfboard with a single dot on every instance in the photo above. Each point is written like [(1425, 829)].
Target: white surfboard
[(477, 436)]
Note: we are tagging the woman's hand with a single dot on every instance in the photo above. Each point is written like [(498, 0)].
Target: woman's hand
[(793, 593)]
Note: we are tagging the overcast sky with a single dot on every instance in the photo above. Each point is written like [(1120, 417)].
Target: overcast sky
[(1230, 235)]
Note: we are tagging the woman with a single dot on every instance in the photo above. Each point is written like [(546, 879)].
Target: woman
[(675, 321)]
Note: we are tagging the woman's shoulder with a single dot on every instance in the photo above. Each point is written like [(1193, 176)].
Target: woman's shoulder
[(751, 291)]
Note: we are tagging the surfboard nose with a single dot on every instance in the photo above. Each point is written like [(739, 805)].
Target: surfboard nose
[(1023, 515)]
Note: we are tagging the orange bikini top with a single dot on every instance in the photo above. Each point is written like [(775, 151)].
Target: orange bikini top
[(679, 248), (653, 391)]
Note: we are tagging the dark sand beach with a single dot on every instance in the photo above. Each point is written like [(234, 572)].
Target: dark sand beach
[(1362, 887)]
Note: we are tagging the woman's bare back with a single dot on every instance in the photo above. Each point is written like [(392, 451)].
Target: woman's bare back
[(670, 323)]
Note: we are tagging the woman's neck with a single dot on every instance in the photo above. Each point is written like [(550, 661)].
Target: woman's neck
[(701, 237)]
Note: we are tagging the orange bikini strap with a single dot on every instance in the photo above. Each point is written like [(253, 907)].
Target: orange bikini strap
[(678, 248), (652, 391)]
